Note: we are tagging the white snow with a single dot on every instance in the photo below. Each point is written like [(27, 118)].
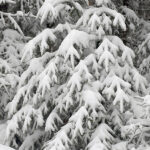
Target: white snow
[(78, 87), (119, 19), (77, 119), (12, 34), (94, 22), (3, 126), (130, 14), (80, 38), (74, 82), (3, 147), (102, 2), (41, 40), (72, 54)]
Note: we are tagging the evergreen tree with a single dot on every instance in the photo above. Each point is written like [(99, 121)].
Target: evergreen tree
[(11, 44), (144, 50), (10, 66), (79, 72)]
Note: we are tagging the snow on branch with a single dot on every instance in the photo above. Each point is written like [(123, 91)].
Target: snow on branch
[(94, 22), (119, 19), (4, 147), (128, 55), (118, 88), (120, 145), (30, 140), (52, 121), (22, 95), (12, 20), (47, 78), (35, 67), (90, 60), (130, 14), (140, 82), (4, 66), (83, 70), (51, 9), (40, 40), (121, 96), (46, 10), (61, 140), (145, 46), (77, 119), (26, 113), (74, 82), (107, 45), (106, 53), (92, 102), (103, 2), (81, 75), (16, 26), (72, 54), (80, 38), (101, 138), (7, 1), (116, 118), (116, 82)]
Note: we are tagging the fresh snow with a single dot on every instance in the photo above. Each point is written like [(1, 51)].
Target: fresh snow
[(3, 147), (73, 84)]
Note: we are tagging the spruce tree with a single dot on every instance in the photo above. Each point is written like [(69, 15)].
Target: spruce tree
[(80, 81), (10, 66), (11, 45), (144, 50)]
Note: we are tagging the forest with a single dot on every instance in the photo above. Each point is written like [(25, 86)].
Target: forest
[(74, 74)]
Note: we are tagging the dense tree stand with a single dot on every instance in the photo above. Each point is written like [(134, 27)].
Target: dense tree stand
[(71, 82)]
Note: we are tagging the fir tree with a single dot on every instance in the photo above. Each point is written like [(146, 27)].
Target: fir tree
[(143, 52), (10, 66), (79, 72)]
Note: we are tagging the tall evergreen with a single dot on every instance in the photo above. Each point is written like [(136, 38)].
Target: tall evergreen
[(80, 81)]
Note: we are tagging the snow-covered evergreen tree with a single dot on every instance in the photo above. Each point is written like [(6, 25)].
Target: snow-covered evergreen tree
[(144, 51), (10, 66), (79, 72), (7, 17)]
